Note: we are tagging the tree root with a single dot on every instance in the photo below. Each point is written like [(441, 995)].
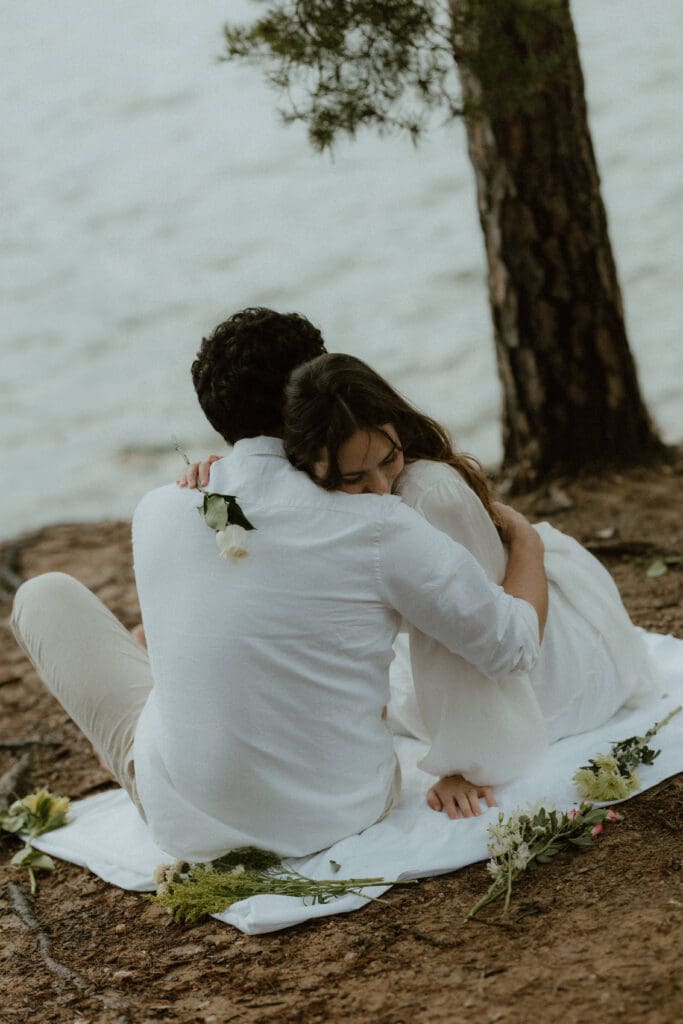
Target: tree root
[(23, 908)]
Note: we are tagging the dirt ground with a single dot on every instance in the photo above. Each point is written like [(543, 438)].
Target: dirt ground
[(593, 936)]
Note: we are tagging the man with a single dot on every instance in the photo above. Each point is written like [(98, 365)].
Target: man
[(261, 719)]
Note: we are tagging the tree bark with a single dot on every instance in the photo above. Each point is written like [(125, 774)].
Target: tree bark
[(571, 395)]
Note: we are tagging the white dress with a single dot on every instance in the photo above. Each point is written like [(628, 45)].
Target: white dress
[(593, 660)]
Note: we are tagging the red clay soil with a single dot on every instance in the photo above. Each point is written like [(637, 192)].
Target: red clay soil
[(593, 936)]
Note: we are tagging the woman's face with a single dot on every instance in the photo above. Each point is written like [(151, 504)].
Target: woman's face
[(368, 462)]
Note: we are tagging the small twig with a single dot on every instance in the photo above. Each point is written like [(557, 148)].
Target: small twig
[(433, 941), (621, 547), (9, 577), (12, 780), (490, 924), (9, 680), (31, 742)]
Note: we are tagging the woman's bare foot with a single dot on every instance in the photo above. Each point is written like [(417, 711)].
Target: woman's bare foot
[(458, 797)]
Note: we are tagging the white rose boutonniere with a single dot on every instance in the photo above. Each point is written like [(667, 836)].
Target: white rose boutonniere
[(232, 542), (223, 514)]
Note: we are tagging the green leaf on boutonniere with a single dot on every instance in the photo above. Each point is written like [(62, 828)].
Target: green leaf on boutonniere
[(215, 511), (235, 514), (219, 510)]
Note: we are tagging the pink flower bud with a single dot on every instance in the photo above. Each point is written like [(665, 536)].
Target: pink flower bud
[(597, 829), (613, 816), (573, 813)]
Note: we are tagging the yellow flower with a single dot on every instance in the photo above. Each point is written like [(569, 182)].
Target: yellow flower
[(45, 806), (606, 784), (31, 801), (60, 805)]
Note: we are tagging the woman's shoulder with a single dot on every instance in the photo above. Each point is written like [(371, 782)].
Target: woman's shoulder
[(436, 491), (421, 478)]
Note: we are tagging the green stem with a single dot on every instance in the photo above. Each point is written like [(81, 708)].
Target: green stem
[(508, 891), (488, 896), (660, 725)]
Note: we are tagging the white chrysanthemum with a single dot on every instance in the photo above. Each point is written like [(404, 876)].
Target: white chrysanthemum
[(494, 868), (521, 857), (498, 847), (232, 541)]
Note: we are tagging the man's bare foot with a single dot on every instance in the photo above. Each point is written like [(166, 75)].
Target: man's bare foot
[(458, 797)]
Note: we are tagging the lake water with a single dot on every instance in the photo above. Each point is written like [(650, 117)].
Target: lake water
[(148, 191)]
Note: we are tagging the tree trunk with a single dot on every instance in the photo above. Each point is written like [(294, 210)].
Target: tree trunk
[(571, 395)]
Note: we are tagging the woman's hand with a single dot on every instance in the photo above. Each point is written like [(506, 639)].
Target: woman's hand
[(458, 797), (197, 474), (511, 521), (525, 573)]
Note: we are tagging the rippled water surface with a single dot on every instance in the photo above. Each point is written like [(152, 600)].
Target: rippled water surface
[(149, 190)]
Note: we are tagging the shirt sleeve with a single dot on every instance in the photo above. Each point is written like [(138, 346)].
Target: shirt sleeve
[(439, 587)]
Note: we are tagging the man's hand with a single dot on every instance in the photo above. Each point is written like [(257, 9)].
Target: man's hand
[(197, 473), (458, 797)]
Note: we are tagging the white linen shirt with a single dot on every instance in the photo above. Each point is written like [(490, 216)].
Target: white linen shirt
[(271, 671)]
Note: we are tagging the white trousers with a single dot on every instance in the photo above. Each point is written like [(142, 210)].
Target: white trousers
[(89, 663)]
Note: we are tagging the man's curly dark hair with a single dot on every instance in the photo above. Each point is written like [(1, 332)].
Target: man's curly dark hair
[(242, 368)]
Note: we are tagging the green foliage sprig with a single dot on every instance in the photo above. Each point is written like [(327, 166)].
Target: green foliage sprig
[(35, 814), (613, 776), (192, 891), (345, 64)]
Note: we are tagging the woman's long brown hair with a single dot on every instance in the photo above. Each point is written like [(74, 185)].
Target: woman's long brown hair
[(331, 397)]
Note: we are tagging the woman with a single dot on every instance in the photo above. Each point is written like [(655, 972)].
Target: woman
[(348, 429)]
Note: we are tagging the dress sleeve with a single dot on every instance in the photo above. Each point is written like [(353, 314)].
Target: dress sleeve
[(450, 504), (440, 588)]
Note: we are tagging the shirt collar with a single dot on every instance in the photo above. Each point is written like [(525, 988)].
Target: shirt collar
[(260, 446)]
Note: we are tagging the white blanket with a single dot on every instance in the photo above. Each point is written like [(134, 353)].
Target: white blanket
[(106, 834)]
